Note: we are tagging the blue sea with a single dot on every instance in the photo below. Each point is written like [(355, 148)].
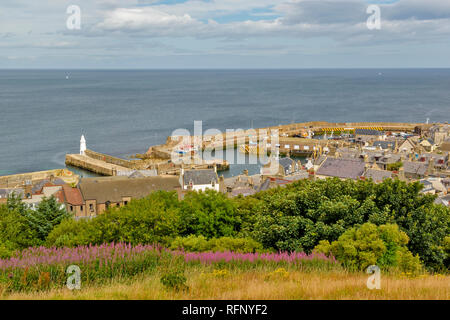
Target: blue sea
[(122, 112)]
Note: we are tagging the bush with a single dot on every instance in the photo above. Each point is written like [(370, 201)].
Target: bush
[(71, 233), (5, 251), (15, 231), (174, 280), (194, 243), (360, 247), (394, 166), (210, 214)]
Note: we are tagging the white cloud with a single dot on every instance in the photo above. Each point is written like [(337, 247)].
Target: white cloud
[(149, 19), (206, 25), (342, 20)]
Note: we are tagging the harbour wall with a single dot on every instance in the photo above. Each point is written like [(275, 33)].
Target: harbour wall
[(109, 159)]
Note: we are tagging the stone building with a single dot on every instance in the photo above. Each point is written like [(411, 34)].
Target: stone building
[(199, 180), (100, 194)]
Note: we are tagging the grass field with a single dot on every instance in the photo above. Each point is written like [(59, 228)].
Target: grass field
[(121, 271), (207, 283)]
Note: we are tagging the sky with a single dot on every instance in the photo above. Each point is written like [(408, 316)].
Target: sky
[(193, 34)]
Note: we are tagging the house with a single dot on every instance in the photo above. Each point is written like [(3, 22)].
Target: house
[(377, 175), (38, 186), (385, 160), (385, 145), (407, 146), (433, 186), (428, 145), (369, 134), (439, 161), (74, 202), (199, 180), (46, 192), (341, 168), (101, 193), (446, 183), (281, 167), (414, 169), (427, 187), (242, 184), (445, 146), (444, 200), (5, 193), (439, 133)]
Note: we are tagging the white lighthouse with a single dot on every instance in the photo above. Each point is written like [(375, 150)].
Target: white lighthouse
[(82, 145)]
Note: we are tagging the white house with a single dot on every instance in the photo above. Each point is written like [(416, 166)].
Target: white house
[(199, 179)]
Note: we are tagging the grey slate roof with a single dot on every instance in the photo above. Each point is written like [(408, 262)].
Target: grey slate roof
[(264, 186), (203, 176), (113, 190), (38, 186), (378, 175), (342, 168), (286, 162), (418, 168), (384, 144), (4, 193), (143, 173)]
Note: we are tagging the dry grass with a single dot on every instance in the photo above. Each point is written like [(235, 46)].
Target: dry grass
[(242, 285)]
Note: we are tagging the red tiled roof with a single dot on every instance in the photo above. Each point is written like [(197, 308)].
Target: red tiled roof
[(59, 196), (73, 195)]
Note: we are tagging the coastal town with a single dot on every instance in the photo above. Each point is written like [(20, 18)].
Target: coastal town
[(312, 150)]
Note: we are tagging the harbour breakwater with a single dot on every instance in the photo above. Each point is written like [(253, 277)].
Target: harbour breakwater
[(289, 139)]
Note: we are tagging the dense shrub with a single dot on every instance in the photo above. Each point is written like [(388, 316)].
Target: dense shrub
[(360, 247), (22, 227), (174, 280), (15, 231), (300, 215), (72, 233), (201, 244), (210, 214)]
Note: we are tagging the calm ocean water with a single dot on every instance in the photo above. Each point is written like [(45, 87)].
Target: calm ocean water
[(42, 114)]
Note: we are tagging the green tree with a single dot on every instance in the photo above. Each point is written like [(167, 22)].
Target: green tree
[(47, 216), (15, 231), (360, 247), (15, 203), (210, 214)]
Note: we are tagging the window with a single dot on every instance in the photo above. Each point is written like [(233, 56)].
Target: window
[(125, 202), (91, 207), (81, 208), (71, 208)]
